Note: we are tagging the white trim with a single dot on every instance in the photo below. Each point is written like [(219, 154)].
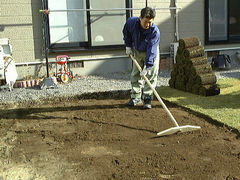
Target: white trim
[(72, 60), (113, 9), (222, 49), (80, 59)]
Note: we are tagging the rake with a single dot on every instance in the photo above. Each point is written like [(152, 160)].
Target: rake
[(172, 130)]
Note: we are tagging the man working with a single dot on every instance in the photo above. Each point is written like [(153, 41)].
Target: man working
[(142, 39)]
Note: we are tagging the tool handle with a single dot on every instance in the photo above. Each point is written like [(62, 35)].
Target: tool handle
[(45, 11), (155, 92)]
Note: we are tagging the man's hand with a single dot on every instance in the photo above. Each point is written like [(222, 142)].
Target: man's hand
[(129, 51), (146, 71)]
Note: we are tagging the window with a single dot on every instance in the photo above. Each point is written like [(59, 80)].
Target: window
[(222, 21), (234, 20), (67, 27), (71, 27)]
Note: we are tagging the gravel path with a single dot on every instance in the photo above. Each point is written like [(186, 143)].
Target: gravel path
[(87, 84)]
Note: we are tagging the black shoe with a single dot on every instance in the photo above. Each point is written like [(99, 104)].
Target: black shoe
[(134, 102), (147, 103)]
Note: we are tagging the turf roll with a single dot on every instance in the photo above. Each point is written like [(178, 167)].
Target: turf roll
[(192, 71), (195, 88), (209, 90), (197, 51), (205, 79), (171, 83), (200, 69), (188, 42), (180, 83), (180, 59), (197, 61), (181, 71), (189, 87)]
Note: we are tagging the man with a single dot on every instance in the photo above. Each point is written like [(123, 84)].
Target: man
[(142, 39)]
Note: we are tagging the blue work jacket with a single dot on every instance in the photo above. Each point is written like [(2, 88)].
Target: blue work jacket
[(143, 40)]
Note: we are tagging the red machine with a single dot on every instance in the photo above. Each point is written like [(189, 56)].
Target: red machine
[(63, 73)]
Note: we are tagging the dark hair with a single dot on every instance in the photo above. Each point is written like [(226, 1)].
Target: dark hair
[(148, 12)]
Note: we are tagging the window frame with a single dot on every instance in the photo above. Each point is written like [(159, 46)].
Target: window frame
[(209, 42), (79, 46)]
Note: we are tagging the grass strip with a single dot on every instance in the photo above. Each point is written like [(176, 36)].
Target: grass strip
[(224, 107)]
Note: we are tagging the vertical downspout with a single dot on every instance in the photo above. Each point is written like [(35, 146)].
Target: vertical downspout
[(45, 34), (176, 22)]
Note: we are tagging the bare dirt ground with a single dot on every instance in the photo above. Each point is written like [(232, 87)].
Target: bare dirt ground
[(105, 139)]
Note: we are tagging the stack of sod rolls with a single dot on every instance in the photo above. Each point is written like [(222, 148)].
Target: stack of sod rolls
[(192, 72)]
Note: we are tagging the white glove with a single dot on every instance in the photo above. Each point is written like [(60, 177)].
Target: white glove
[(146, 71), (129, 51)]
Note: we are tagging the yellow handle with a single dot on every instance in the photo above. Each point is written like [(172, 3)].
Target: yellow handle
[(46, 11)]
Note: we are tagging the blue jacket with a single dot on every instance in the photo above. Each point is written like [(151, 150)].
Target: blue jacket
[(142, 40)]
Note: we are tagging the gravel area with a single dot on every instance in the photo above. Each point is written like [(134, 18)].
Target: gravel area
[(87, 84)]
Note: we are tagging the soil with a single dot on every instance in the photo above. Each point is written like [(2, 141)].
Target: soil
[(105, 139)]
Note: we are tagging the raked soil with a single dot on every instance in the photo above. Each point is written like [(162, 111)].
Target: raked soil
[(90, 139)]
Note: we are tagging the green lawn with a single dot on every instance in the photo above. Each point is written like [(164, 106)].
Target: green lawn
[(224, 107)]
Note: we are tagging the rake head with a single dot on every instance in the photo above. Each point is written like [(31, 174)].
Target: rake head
[(173, 130)]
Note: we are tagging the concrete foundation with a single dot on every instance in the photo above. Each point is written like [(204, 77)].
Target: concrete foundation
[(89, 67)]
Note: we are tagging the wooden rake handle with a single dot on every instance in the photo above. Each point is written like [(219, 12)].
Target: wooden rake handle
[(154, 91)]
